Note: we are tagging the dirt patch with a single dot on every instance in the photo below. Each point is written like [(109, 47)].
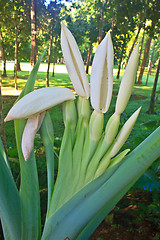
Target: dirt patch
[(126, 223), (137, 97)]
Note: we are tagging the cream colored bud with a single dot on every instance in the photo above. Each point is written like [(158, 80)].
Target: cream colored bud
[(102, 75), (124, 133), (112, 128), (70, 113), (74, 62), (127, 82), (83, 107), (96, 126)]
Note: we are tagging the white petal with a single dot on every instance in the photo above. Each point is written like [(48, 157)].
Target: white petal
[(74, 62), (32, 126), (127, 82), (124, 133), (39, 101), (102, 75)]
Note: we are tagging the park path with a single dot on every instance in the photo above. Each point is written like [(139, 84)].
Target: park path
[(10, 91)]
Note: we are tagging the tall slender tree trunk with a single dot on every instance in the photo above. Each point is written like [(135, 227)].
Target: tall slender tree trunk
[(149, 70), (101, 21), (140, 53), (135, 40), (88, 58), (16, 60), (49, 55), (141, 48), (33, 33), (54, 63), (18, 66), (2, 129), (4, 74), (150, 62), (144, 60), (152, 101), (119, 67), (15, 48), (4, 68)]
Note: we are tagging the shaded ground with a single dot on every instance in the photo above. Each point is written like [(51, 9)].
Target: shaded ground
[(131, 222)]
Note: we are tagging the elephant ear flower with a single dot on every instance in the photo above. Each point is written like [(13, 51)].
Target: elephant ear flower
[(74, 63), (102, 75), (33, 107)]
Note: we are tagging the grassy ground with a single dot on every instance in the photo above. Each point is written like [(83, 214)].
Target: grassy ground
[(140, 97)]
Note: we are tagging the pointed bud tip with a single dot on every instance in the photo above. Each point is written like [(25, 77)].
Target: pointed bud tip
[(8, 118)]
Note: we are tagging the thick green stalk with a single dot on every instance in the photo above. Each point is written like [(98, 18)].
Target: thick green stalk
[(62, 185), (83, 214)]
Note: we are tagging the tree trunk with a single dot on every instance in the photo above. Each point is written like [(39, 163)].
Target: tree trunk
[(49, 55), (140, 54), (54, 63), (136, 37), (141, 49), (4, 74), (149, 70), (150, 61), (101, 22), (119, 68), (33, 33), (16, 49), (15, 63), (152, 101), (2, 130), (88, 58), (18, 66), (144, 60)]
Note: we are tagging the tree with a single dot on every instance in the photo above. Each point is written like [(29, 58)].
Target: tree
[(3, 54), (150, 60), (147, 47), (152, 13), (53, 16), (5, 24), (33, 33), (152, 100), (101, 21)]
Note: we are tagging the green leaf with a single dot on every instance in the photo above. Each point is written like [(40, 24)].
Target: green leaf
[(29, 187), (10, 204), (29, 86), (47, 135)]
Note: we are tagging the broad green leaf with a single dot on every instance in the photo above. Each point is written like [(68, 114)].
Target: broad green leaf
[(10, 204)]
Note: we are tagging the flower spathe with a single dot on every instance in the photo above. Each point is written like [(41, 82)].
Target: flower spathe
[(74, 63), (34, 106), (102, 75), (32, 126), (127, 82), (39, 101)]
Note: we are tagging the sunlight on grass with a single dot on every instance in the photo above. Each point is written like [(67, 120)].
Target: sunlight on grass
[(62, 79)]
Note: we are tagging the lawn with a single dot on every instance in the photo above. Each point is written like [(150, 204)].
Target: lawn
[(140, 97)]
